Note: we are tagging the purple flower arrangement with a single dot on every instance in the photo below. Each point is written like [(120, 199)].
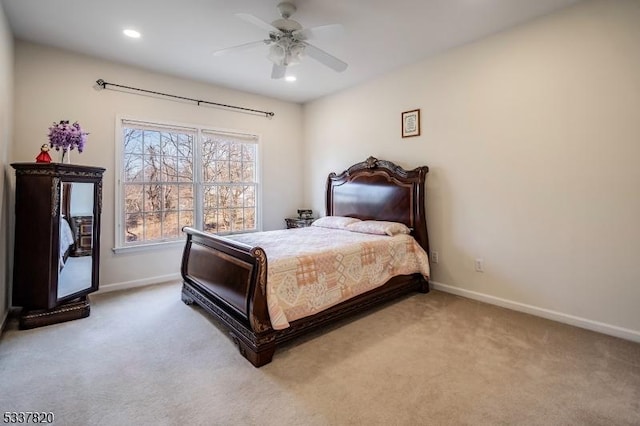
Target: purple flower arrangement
[(67, 136)]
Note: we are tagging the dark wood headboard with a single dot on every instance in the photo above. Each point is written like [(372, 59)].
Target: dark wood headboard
[(380, 190)]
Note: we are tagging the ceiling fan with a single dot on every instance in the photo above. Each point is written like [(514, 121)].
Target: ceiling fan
[(288, 41)]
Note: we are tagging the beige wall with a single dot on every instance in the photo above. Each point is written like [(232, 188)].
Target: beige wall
[(533, 139), (52, 85), (6, 125)]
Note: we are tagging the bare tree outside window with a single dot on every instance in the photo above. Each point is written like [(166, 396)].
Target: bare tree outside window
[(161, 192)]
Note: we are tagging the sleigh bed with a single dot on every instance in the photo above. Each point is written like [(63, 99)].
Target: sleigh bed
[(228, 278)]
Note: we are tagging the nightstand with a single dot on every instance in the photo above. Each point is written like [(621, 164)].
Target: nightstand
[(298, 222)]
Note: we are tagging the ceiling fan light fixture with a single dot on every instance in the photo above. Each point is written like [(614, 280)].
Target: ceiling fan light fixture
[(287, 41), (285, 53), (292, 60), (277, 54), (296, 51)]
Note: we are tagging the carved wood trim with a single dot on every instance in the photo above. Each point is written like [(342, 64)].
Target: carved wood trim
[(261, 257), (99, 192), (59, 172), (55, 196), (249, 337)]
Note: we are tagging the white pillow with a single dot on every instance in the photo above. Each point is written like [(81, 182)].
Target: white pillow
[(335, 222), (379, 227)]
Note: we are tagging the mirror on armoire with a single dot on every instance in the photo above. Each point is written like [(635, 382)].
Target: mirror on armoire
[(75, 273)]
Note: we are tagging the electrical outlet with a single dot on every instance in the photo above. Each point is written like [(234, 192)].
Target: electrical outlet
[(479, 265), (434, 257)]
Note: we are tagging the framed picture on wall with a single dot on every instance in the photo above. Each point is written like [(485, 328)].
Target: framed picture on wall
[(411, 123)]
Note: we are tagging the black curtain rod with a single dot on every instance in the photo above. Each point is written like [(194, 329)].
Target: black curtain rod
[(103, 84)]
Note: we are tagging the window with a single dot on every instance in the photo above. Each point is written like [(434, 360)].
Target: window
[(229, 183), (174, 176)]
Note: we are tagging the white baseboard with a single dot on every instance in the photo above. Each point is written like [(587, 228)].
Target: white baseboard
[(139, 283), (611, 330)]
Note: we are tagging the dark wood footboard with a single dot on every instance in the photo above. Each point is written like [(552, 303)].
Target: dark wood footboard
[(228, 279)]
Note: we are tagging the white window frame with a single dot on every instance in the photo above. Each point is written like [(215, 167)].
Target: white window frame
[(198, 129)]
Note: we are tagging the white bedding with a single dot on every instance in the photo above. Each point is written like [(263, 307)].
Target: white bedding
[(311, 269), (66, 239)]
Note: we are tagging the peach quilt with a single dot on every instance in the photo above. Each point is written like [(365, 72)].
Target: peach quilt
[(311, 269)]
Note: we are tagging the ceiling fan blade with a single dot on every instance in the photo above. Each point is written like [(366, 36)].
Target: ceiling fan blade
[(330, 30), (325, 58), (278, 71), (257, 22), (241, 47)]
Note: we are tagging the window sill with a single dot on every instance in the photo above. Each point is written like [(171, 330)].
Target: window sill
[(148, 247)]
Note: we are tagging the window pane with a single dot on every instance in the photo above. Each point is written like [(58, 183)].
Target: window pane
[(220, 150), (152, 226), (132, 141), (210, 197), (235, 152), (170, 228), (169, 143), (248, 172), (185, 197), (224, 196), (185, 145), (249, 219), (249, 196), (169, 169), (235, 171), (185, 169), (186, 218), (237, 222), (152, 198), (134, 227), (208, 171), (248, 152), (133, 198), (236, 196), (208, 149), (211, 220), (221, 172), (224, 220), (151, 142), (152, 166), (133, 168), (170, 199)]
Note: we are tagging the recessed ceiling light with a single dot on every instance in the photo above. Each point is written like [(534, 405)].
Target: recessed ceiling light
[(290, 78), (131, 33)]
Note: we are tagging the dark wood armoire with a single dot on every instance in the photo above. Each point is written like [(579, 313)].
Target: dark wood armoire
[(56, 257)]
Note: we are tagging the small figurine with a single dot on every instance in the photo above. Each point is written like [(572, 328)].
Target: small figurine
[(44, 156)]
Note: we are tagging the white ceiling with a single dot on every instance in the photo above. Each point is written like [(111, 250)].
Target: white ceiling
[(178, 37)]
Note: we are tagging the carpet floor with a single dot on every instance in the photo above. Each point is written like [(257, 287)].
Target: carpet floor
[(145, 358)]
